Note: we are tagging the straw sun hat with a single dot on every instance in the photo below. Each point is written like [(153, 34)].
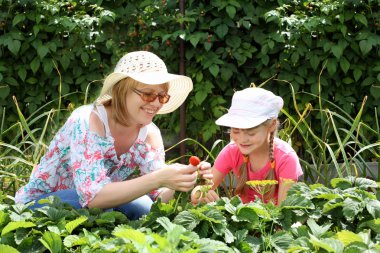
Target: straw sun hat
[(251, 107), (148, 68)]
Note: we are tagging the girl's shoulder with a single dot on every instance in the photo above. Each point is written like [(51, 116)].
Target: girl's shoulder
[(231, 148), (282, 147)]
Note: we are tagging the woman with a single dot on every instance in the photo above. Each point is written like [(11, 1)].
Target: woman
[(110, 154)]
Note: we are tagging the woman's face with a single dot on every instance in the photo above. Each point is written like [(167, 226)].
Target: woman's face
[(250, 140), (140, 111)]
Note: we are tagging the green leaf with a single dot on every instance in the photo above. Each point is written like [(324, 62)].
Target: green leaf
[(361, 18), (207, 45), (52, 242), (74, 240), (328, 244), (226, 74), (35, 65), (14, 46), (70, 226), (130, 234), (341, 183), (4, 218), (31, 80), (337, 51), (368, 81), (42, 51), (357, 74), (247, 213), (351, 208), (372, 224), (65, 61), (84, 56), (294, 57), (331, 66), (22, 73), (187, 219), (281, 241), (228, 236), (13, 225), (231, 11), (314, 62), (347, 237), (162, 242), (8, 249), (316, 230), (344, 64), (221, 30), (375, 92), (233, 41), (294, 201), (18, 18), (265, 59), (47, 65), (214, 70), (365, 46), (4, 91)]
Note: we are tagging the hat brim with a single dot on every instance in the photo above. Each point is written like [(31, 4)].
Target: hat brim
[(179, 86), (239, 121)]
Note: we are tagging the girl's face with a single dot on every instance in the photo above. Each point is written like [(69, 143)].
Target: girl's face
[(251, 140), (140, 110)]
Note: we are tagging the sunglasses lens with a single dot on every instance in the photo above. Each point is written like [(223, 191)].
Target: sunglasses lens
[(149, 97), (163, 98)]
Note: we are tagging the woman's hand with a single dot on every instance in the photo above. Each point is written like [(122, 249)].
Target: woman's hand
[(198, 195), (178, 177)]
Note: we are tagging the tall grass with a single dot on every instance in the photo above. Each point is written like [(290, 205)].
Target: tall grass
[(343, 149), (23, 144)]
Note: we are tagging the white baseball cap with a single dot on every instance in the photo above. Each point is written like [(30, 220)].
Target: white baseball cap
[(251, 107), (148, 68)]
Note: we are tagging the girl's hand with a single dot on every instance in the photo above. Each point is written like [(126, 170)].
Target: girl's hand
[(178, 177), (199, 196), (205, 171)]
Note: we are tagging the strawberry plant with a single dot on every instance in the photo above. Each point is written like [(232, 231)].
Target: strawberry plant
[(314, 218)]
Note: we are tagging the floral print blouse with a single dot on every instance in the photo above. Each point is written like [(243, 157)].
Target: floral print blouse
[(82, 160)]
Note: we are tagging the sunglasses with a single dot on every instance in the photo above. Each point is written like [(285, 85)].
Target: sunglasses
[(163, 97)]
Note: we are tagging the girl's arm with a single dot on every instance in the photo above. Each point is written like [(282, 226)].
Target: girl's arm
[(283, 187)]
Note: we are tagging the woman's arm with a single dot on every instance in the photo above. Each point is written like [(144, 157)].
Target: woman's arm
[(176, 177)]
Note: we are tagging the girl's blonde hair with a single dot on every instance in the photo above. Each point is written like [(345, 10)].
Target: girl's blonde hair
[(118, 102), (241, 186)]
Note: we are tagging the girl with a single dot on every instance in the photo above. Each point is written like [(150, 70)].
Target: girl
[(254, 152), (110, 154)]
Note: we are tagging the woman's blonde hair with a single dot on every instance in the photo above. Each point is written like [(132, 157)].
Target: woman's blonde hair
[(241, 186), (118, 102)]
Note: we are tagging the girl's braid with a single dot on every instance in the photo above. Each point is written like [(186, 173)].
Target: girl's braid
[(272, 171), (241, 185)]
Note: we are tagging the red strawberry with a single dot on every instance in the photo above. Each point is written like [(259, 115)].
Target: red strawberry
[(194, 160)]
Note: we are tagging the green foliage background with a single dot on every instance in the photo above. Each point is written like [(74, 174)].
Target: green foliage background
[(53, 48)]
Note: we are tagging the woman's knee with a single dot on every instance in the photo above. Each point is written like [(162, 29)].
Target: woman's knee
[(136, 208), (68, 196)]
